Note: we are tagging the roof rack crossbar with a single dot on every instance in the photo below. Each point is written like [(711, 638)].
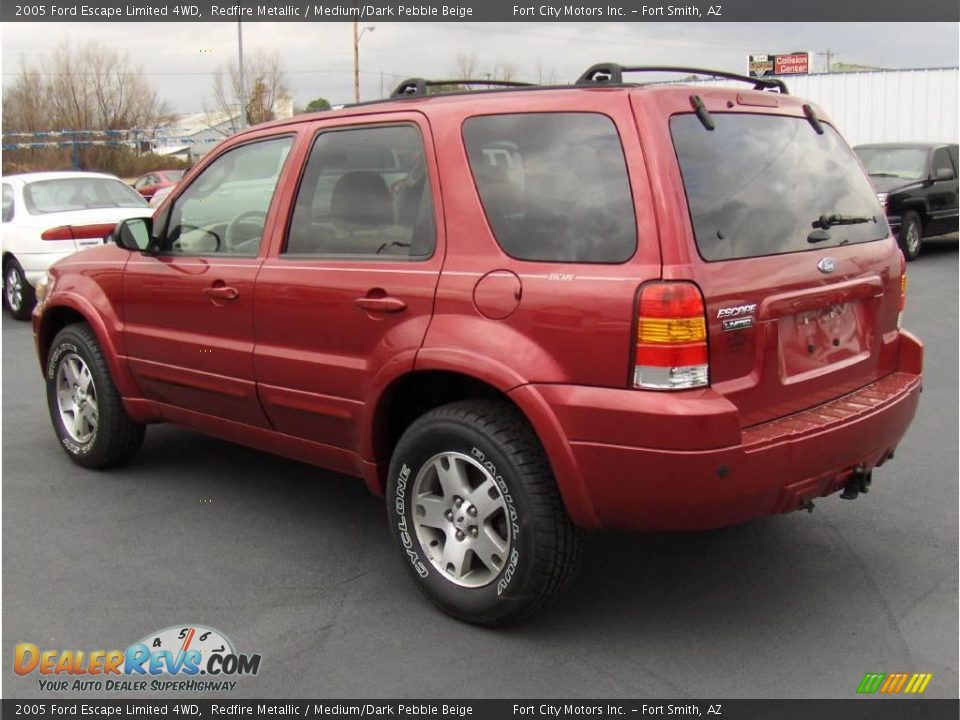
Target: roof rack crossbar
[(612, 74), (418, 86)]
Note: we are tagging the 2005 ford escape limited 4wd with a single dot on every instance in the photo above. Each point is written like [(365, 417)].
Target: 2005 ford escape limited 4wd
[(515, 313)]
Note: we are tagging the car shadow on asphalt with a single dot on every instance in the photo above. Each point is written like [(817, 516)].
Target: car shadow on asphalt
[(622, 575)]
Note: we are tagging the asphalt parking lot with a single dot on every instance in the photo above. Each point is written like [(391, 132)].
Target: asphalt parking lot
[(296, 564)]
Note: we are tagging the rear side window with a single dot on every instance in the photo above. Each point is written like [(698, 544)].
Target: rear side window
[(554, 186), (759, 184), (365, 193)]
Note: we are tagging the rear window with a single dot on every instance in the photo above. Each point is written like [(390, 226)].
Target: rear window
[(759, 184), (65, 194), (553, 185)]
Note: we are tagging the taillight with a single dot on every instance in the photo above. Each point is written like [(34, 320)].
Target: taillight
[(78, 232), (671, 343), (883, 198)]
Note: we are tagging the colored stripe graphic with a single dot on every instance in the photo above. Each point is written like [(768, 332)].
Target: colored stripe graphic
[(894, 683)]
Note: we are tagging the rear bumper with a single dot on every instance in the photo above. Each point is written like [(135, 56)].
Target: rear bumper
[(771, 468), (36, 264)]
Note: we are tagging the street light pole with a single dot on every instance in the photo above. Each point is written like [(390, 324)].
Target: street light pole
[(357, 34), (243, 79)]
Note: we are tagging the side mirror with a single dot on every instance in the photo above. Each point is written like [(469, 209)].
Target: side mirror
[(944, 174), (134, 234)]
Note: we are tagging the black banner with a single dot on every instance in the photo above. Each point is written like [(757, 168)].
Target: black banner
[(878, 709), (476, 11)]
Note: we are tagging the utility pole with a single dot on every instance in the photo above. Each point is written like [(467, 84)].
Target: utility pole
[(357, 34), (243, 79), (829, 56)]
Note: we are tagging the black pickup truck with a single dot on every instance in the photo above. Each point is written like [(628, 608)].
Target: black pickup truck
[(917, 185)]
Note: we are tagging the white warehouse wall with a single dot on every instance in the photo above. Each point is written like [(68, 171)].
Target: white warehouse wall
[(884, 105), (888, 105)]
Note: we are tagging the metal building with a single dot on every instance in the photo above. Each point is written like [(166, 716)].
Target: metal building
[(886, 105)]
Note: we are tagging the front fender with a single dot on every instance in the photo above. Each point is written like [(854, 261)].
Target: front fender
[(99, 314)]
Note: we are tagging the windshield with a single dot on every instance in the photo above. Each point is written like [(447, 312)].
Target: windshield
[(173, 175), (764, 184), (79, 193), (905, 163)]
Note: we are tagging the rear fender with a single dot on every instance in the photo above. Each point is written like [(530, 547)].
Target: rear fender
[(499, 363)]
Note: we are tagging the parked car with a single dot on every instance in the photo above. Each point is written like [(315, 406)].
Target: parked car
[(160, 195), (516, 314), (148, 185), (917, 185), (47, 216)]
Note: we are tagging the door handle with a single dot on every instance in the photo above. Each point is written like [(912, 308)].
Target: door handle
[(221, 292), (385, 304)]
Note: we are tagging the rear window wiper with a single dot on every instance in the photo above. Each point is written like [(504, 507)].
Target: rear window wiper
[(828, 221)]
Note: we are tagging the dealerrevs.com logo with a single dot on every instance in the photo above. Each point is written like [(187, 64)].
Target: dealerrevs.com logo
[(181, 658)]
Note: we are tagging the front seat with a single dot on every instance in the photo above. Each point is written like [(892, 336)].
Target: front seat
[(361, 201)]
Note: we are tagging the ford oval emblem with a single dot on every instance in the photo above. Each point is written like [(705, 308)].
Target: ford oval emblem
[(827, 265)]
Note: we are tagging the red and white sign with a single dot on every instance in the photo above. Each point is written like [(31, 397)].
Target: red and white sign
[(793, 64)]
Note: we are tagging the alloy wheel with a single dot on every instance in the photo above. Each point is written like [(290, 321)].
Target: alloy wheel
[(460, 517), (77, 399)]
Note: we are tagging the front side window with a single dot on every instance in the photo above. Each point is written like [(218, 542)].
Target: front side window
[(941, 161), (365, 193), (769, 184), (7, 202), (79, 193), (554, 186), (224, 209)]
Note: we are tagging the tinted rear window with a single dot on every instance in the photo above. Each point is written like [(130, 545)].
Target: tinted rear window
[(757, 184), (50, 196), (554, 186)]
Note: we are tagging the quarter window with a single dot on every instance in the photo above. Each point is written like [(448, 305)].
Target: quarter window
[(554, 186), (365, 193), (224, 209)]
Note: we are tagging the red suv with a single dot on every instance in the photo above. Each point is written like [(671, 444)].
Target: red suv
[(515, 313)]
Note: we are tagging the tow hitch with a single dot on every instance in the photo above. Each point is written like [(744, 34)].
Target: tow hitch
[(859, 482)]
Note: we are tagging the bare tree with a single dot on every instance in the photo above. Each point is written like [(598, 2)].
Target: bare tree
[(267, 89), (544, 76), (86, 88), (85, 91)]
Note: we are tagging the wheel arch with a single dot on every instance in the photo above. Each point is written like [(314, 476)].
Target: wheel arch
[(412, 394), (70, 309)]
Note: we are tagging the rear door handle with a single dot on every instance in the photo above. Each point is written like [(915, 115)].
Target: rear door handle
[(221, 292), (381, 304)]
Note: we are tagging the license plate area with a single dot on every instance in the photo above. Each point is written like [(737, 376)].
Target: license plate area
[(813, 342)]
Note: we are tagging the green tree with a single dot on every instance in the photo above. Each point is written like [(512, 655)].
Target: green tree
[(317, 104)]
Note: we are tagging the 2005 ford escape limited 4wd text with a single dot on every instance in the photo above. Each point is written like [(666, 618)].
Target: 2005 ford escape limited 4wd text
[(515, 313)]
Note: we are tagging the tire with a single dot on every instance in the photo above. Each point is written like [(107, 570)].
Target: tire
[(527, 550), (18, 294), (911, 235), (101, 438)]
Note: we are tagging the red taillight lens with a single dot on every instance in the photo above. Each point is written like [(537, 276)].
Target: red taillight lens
[(79, 232), (64, 232), (671, 343)]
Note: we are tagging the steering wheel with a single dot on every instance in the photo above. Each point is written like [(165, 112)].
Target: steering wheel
[(234, 240)]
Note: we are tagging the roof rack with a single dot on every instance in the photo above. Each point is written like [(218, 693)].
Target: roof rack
[(418, 86), (612, 74)]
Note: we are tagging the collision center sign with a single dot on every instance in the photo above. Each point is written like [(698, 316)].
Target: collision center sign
[(797, 63)]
